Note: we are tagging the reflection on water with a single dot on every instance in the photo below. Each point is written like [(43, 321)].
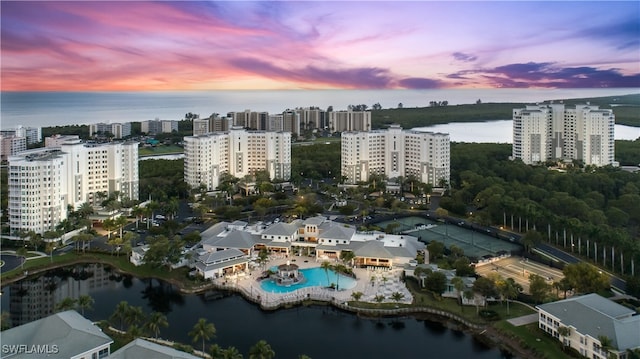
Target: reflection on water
[(316, 331)]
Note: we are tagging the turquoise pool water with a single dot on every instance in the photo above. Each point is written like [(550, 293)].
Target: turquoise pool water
[(314, 277)]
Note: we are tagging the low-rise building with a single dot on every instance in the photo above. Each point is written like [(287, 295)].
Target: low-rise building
[(62, 335), (141, 348), (590, 319)]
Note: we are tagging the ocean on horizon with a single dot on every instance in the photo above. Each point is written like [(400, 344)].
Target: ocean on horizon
[(46, 109)]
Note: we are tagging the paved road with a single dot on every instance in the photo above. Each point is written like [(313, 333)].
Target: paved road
[(616, 282), (11, 262)]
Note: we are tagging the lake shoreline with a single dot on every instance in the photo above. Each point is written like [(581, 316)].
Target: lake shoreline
[(484, 333)]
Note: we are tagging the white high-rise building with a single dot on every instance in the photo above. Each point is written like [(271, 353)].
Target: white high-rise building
[(118, 130), (394, 153), (558, 132), (11, 145), (157, 126), (44, 181), (237, 152), (32, 134)]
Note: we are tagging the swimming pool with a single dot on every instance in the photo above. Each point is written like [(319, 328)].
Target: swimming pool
[(314, 277)]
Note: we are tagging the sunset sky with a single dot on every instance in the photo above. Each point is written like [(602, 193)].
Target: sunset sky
[(191, 45)]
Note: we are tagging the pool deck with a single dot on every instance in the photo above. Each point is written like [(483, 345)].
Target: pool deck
[(369, 282)]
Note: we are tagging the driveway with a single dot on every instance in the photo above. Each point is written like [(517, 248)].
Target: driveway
[(11, 262)]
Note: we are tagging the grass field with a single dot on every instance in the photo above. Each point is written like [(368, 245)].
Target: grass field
[(159, 150)]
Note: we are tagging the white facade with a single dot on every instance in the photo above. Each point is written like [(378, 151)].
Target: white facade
[(394, 153), (157, 126), (32, 134), (589, 318), (43, 182), (58, 140), (118, 130), (554, 131), (237, 152), (11, 145)]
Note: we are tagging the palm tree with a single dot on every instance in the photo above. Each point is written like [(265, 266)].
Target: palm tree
[(397, 296), (458, 284), (109, 225), (261, 350), (120, 223), (231, 353), (564, 332), (156, 321), (85, 210), (356, 295), (339, 268), (134, 316), (85, 302), (120, 313), (216, 352), (326, 266), (137, 212), (203, 331), (66, 304), (134, 332), (347, 257), (378, 298), (606, 343)]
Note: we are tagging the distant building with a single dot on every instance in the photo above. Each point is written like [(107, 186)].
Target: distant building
[(214, 123), (11, 145), (118, 130), (61, 335), (157, 126), (313, 118), (558, 132), (589, 318), (395, 152), (44, 181), (341, 121), (58, 140), (251, 120), (237, 152), (32, 134)]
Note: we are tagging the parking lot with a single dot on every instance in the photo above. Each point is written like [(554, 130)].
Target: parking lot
[(520, 269)]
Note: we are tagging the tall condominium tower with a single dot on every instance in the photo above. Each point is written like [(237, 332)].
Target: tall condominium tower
[(118, 130), (558, 132), (340, 121), (44, 181), (394, 153), (237, 152)]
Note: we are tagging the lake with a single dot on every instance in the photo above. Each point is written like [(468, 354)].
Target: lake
[(317, 331)]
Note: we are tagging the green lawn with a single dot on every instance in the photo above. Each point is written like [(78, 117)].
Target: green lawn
[(534, 339), (159, 150)]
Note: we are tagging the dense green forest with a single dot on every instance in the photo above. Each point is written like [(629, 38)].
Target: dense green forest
[(627, 111), (162, 179)]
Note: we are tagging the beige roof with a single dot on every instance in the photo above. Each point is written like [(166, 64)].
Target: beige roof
[(373, 249)]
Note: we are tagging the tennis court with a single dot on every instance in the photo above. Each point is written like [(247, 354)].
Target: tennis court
[(472, 242)]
